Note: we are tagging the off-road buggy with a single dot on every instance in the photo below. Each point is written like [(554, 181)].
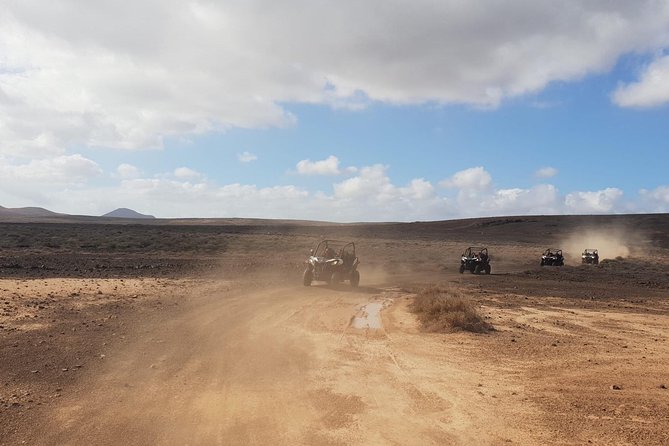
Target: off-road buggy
[(552, 257), (475, 260), (590, 256), (332, 261)]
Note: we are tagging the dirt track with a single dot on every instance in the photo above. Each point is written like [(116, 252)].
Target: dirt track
[(578, 356), (267, 366)]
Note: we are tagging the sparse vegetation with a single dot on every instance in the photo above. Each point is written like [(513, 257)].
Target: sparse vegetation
[(441, 310)]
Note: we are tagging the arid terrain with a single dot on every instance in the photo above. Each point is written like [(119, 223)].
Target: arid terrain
[(194, 332)]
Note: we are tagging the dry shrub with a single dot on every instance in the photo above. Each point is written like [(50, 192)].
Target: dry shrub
[(441, 310)]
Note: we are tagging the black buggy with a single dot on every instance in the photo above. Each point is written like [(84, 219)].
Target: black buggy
[(475, 260), (552, 257), (333, 262), (590, 256)]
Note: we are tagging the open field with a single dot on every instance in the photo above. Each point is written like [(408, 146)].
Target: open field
[(192, 332)]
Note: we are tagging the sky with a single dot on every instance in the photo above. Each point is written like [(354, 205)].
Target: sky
[(382, 110)]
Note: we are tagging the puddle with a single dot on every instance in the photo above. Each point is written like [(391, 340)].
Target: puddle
[(369, 316)]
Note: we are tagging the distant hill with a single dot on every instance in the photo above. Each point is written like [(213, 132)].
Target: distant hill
[(26, 212), (126, 213)]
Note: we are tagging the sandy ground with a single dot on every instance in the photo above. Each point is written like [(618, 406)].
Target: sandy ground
[(219, 363), (239, 356)]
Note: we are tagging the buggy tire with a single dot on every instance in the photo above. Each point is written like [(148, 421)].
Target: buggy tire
[(477, 270), (542, 263), (355, 278), (307, 277), (336, 279), (487, 269), (462, 269)]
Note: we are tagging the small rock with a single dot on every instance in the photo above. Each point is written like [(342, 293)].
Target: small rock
[(64, 369), (662, 386), (616, 387)]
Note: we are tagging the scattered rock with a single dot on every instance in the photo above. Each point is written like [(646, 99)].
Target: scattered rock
[(616, 387)]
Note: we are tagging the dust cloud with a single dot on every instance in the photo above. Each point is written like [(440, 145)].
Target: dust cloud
[(611, 243)]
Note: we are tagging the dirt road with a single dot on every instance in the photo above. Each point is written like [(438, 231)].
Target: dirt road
[(288, 366)]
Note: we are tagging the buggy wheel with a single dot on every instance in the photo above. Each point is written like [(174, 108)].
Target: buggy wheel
[(487, 269), (336, 279), (477, 270), (307, 277), (542, 263), (462, 269), (355, 278)]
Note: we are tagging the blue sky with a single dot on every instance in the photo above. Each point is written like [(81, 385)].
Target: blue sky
[(427, 111)]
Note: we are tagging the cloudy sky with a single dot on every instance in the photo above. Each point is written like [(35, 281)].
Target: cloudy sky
[(336, 110)]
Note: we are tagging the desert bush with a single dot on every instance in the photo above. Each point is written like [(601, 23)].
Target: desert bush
[(441, 310)]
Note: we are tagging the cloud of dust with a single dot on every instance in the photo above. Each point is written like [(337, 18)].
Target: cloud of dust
[(610, 242), (374, 274)]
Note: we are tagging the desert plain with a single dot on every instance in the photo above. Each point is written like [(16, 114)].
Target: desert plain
[(198, 332)]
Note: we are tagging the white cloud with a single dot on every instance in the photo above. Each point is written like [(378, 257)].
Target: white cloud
[(67, 184), (600, 201), (246, 157), (472, 179), (655, 200), (546, 172), (541, 199), (129, 77), (60, 170), (652, 88), (328, 166), (184, 173), (43, 182), (127, 171), (373, 191)]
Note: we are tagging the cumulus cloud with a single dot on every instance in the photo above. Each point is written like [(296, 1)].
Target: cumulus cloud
[(655, 200), (600, 201), (372, 189), (472, 179), (546, 172), (42, 182), (60, 170), (246, 157), (652, 88), (186, 173), (127, 171), (328, 166), (540, 199), (129, 77), (67, 184)]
